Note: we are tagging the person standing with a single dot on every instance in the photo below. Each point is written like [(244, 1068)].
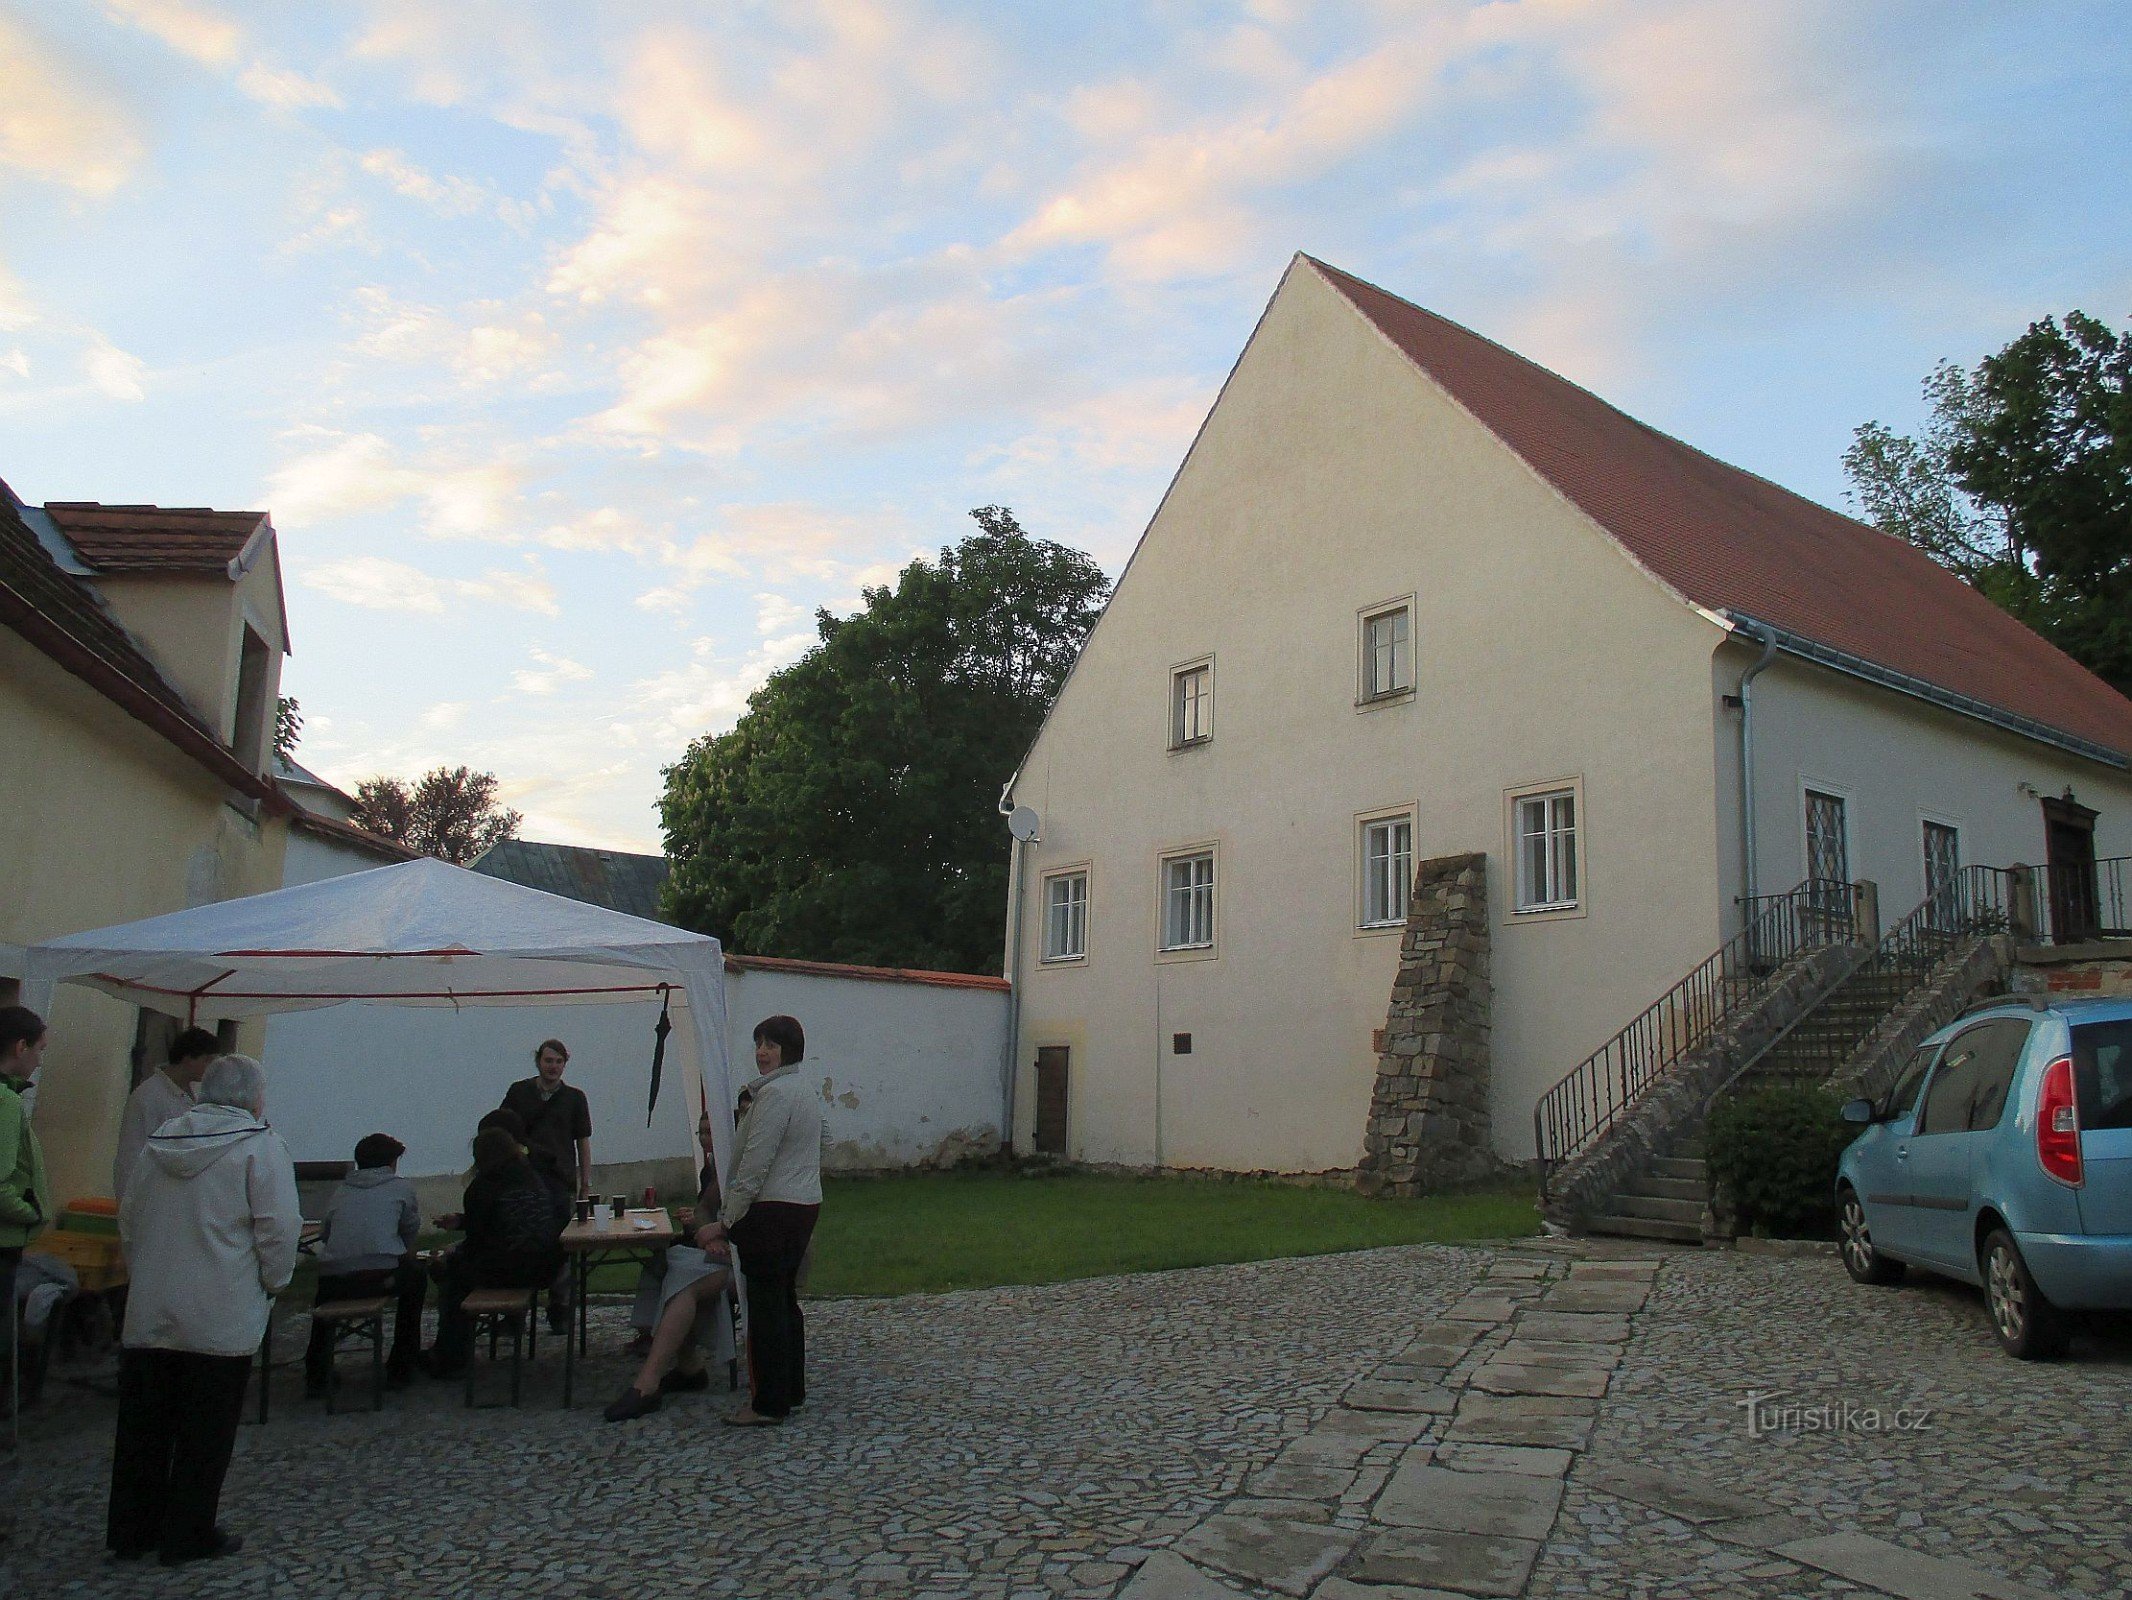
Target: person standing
[(558, 1139), (210, 1226), (25, 1202), (772, 1198), (163, 1094)]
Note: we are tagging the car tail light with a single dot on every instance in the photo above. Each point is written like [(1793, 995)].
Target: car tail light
[(2058, 1124)]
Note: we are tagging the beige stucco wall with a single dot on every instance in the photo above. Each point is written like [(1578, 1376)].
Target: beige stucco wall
[(102, 821), (1331, 476), (193, 629), (1896, 761)]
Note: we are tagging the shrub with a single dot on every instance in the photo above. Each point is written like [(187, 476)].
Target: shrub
[(1773, 1154)]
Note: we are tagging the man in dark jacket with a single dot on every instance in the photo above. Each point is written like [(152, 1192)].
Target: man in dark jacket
[(557, 1119), (514, 1222)]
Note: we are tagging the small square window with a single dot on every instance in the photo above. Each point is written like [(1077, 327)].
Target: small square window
[(1387, 871), (1387, 651), (1188, 901), (1547, 850), (1192, 705), (1066, 916)]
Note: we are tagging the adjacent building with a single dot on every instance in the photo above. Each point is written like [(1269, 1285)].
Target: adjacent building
[(1412, 596), (140, 661)]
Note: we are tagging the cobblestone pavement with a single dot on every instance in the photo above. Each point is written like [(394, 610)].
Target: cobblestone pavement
[(1543, 1419)]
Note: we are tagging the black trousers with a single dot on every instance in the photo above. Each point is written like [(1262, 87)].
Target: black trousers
[(177, 1423), (407, 1281), (10, 1259), (772, 1239)]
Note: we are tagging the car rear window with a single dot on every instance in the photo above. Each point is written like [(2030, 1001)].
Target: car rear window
[(2102, 1073)]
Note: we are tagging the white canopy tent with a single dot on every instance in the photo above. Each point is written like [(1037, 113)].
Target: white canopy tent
[(421, 933)]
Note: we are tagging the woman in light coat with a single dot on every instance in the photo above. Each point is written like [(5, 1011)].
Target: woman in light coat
[(210, 1226)]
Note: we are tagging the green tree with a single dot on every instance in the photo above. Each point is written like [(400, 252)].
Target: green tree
[(851, 813), (450, 813), (288, 726), (2022, 483)]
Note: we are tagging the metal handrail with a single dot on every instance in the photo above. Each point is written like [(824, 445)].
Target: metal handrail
[(2078, 901), (1595, 1095), (1974, 903)]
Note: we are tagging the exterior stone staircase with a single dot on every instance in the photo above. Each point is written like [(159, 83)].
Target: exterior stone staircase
[(1826, 1037), (1663, 1201)]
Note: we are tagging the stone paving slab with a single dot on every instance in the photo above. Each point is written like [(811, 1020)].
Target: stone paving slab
[(1500, 1504), (1338, 1588), (1164, 1576), (1553, 1378), (1492, 1419), (1468, 1563), (1763, 1533), (1574, 1327), (1906, 1573), (1504, 1458), (1281, 1554), (1431, 1399), (1602, 1299), (1301, 1481)]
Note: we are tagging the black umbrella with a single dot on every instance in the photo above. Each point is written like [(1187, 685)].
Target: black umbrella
[(659, 1032)]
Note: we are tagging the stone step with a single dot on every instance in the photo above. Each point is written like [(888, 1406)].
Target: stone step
[(1646, 1228), (1656, 1208), (1656, 1188), (1690, 1168)]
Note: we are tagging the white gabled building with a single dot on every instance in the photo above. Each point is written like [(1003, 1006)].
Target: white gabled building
[(1412, 596)]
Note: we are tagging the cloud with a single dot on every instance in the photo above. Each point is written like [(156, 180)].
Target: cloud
[(485, 343), (379, 583), (54, 125), (549, 673), (115, 372), (782, 541), (194, 31), (448, 196), (346, 474), (285, 90)]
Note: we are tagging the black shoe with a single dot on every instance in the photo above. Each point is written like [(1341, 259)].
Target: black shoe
[(679, 1382), (319, 1388), (631, 1405), (225, 1544), (558, 1322)]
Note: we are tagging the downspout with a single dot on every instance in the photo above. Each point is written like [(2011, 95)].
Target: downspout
[(1016, 875), (1750, 882)]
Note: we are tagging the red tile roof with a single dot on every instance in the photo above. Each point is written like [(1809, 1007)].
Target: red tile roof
[(154, 538), (1730, 541)]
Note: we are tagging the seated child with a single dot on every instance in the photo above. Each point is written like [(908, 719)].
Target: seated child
[(367, 1248)]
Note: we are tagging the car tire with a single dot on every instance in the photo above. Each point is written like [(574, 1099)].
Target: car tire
[(1861, 1259), (2027, 1325)]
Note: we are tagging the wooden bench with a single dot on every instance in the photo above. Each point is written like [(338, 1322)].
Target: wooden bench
[(357, 1320), (499, 1311)]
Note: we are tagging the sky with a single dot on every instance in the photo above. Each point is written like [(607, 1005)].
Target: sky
[(580, 351)]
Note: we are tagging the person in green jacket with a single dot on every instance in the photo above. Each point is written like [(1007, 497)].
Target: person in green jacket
[(25, 1203)]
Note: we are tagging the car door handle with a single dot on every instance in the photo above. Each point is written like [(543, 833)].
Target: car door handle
[(1902, 1152)]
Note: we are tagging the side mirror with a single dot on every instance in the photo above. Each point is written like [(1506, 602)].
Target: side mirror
[(1857, 1111)]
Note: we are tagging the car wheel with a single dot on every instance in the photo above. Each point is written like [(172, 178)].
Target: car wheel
[(1861, 1260), (2028, 1326)]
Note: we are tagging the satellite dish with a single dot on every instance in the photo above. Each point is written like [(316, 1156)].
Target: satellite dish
[(1024, 824)]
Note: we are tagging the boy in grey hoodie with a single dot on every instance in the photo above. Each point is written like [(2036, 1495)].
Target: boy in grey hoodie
[(365, 1249)]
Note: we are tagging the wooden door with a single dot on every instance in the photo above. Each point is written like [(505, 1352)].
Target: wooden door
[(2069, 846), (1051, 1099)]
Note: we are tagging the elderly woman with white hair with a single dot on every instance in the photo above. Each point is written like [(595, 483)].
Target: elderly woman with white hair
[(210, 1225)]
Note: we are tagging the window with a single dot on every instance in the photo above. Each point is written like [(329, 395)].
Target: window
[(251, 731), (1904, 1095), (1546, 826), (1188, 901), (1387, 651), (1192, 705), (2102, 1074), (1066, 916), (1943, 871), (1387, 870), (1828, 847), (1968, 1093)]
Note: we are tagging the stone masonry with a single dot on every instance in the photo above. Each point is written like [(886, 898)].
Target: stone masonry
[(1428, 1122)]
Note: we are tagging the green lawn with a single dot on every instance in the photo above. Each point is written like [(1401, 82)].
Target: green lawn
[(962, 1230)]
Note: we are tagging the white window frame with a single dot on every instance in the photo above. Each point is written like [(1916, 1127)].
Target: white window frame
[(1064, 875), (1367, 822), (1367, 693), (1526, 906), (1174, 709), (1193, 950)]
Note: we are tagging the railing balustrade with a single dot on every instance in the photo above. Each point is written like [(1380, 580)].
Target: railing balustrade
[(2079, 901), (1779, 929)]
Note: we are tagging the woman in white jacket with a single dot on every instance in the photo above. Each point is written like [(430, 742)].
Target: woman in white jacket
[(210, 1225)]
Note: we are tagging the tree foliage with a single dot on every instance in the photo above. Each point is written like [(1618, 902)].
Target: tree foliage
[(2021, 481), (851, 814), (288, 726), (450, 813)]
